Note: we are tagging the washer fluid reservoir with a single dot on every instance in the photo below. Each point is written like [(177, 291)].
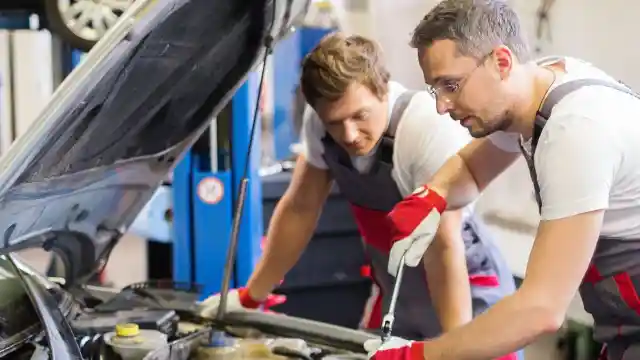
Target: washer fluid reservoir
[(133, 343), (218, 347)]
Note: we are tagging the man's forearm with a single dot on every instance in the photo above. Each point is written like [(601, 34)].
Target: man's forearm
[(508, 326), (447, 274), (455, 183), (289, 233), (461, 179)]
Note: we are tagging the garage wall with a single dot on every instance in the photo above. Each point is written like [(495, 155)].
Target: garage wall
[(27, 80), (578, 29), (32, 76), (6, 106)]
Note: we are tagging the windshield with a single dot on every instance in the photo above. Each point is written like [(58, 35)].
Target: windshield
[(18, 318)]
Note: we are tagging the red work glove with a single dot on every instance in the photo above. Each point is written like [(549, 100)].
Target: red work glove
[(395, 349), (400, 349), (237, 299), (414, 223), (248, 302)]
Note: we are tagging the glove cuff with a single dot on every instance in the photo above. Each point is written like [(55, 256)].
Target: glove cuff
[(431, 197), (416, 350), (246, 300)]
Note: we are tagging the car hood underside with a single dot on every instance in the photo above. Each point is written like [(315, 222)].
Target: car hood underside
[(115, 128)]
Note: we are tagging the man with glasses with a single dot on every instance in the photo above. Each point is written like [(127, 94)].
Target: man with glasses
[(579, 130), (378, 141)]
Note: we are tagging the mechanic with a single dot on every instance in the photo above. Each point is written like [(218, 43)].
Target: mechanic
[(578, 129), (356, 113)]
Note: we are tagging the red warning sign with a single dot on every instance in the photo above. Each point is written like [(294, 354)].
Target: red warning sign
[(210, 190)]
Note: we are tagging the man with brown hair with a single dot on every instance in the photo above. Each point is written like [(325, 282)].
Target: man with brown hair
[(378, 141), (578, 129)]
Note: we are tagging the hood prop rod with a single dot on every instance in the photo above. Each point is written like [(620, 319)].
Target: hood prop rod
[(244, 183)]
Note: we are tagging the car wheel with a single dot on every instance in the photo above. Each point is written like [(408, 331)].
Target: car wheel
[(81, 23)]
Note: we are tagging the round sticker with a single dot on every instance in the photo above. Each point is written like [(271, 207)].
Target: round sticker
[(210, 190)]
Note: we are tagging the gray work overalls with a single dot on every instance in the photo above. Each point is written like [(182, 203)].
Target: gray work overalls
[(609, 287), (372, 195)]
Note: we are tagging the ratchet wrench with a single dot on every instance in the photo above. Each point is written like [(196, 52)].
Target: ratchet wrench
[(387, 321)]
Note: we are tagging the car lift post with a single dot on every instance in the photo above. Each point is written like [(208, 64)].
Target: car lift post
[(203, 197), (203, 202)]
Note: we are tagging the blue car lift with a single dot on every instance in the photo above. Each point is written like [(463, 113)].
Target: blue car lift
[(203, 198), (203, 202)]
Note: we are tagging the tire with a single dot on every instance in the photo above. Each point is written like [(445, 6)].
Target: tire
[(58, 26)]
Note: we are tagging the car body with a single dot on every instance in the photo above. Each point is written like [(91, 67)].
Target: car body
[(110, 135), (80, 23)]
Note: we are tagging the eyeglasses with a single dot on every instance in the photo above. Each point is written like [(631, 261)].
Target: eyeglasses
[(451, 89)]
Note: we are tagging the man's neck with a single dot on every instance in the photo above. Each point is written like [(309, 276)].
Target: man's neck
[(540, 81)]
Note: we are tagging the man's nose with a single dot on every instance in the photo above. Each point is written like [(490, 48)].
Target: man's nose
[(350, 132), (443, 105)]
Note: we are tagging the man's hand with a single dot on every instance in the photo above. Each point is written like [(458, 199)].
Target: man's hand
[(394, 349), (414, 223), (237, 299)]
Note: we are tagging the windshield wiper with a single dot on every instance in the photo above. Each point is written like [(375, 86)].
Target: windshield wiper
[(61, 340)]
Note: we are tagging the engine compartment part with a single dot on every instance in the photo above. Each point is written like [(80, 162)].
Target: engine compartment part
[(280, 325), (222, 347), (91, 323), (244, 344), (218, 347), (169, 329), (131, 343), (154, 294), (194, 341)]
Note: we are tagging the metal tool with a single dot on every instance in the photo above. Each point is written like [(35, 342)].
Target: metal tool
[(244, 183), (387, 321)]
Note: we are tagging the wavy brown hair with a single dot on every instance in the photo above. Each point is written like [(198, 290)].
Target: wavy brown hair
[(339, 61)]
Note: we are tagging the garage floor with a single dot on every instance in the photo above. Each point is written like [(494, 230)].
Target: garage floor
[(127, 265)]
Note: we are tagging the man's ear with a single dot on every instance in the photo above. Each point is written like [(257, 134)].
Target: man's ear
[(503, 59)]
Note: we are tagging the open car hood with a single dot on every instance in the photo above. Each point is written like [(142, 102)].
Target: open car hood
[(118, 124)]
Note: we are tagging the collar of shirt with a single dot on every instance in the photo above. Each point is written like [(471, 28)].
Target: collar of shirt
[(395, 90), (363, 163)]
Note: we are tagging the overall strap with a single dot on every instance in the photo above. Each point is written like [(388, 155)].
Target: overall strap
[(397, 111), (543, 114), (565, 89), (401, 104)]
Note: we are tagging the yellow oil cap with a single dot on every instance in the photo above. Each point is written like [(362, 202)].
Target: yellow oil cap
[(324, 5), (128, 329)]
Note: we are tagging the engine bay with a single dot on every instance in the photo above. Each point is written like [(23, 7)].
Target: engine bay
[(205, 343), (157, 321)]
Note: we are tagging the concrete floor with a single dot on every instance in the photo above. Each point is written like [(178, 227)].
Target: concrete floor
[(127, 265)]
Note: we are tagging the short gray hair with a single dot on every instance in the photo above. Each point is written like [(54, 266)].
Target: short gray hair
[(476, 26)]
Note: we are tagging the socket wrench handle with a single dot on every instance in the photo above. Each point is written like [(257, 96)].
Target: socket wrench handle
[(389, 318)]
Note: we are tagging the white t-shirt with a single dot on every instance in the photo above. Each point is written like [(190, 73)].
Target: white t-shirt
[(588, 155), (424, 141)]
